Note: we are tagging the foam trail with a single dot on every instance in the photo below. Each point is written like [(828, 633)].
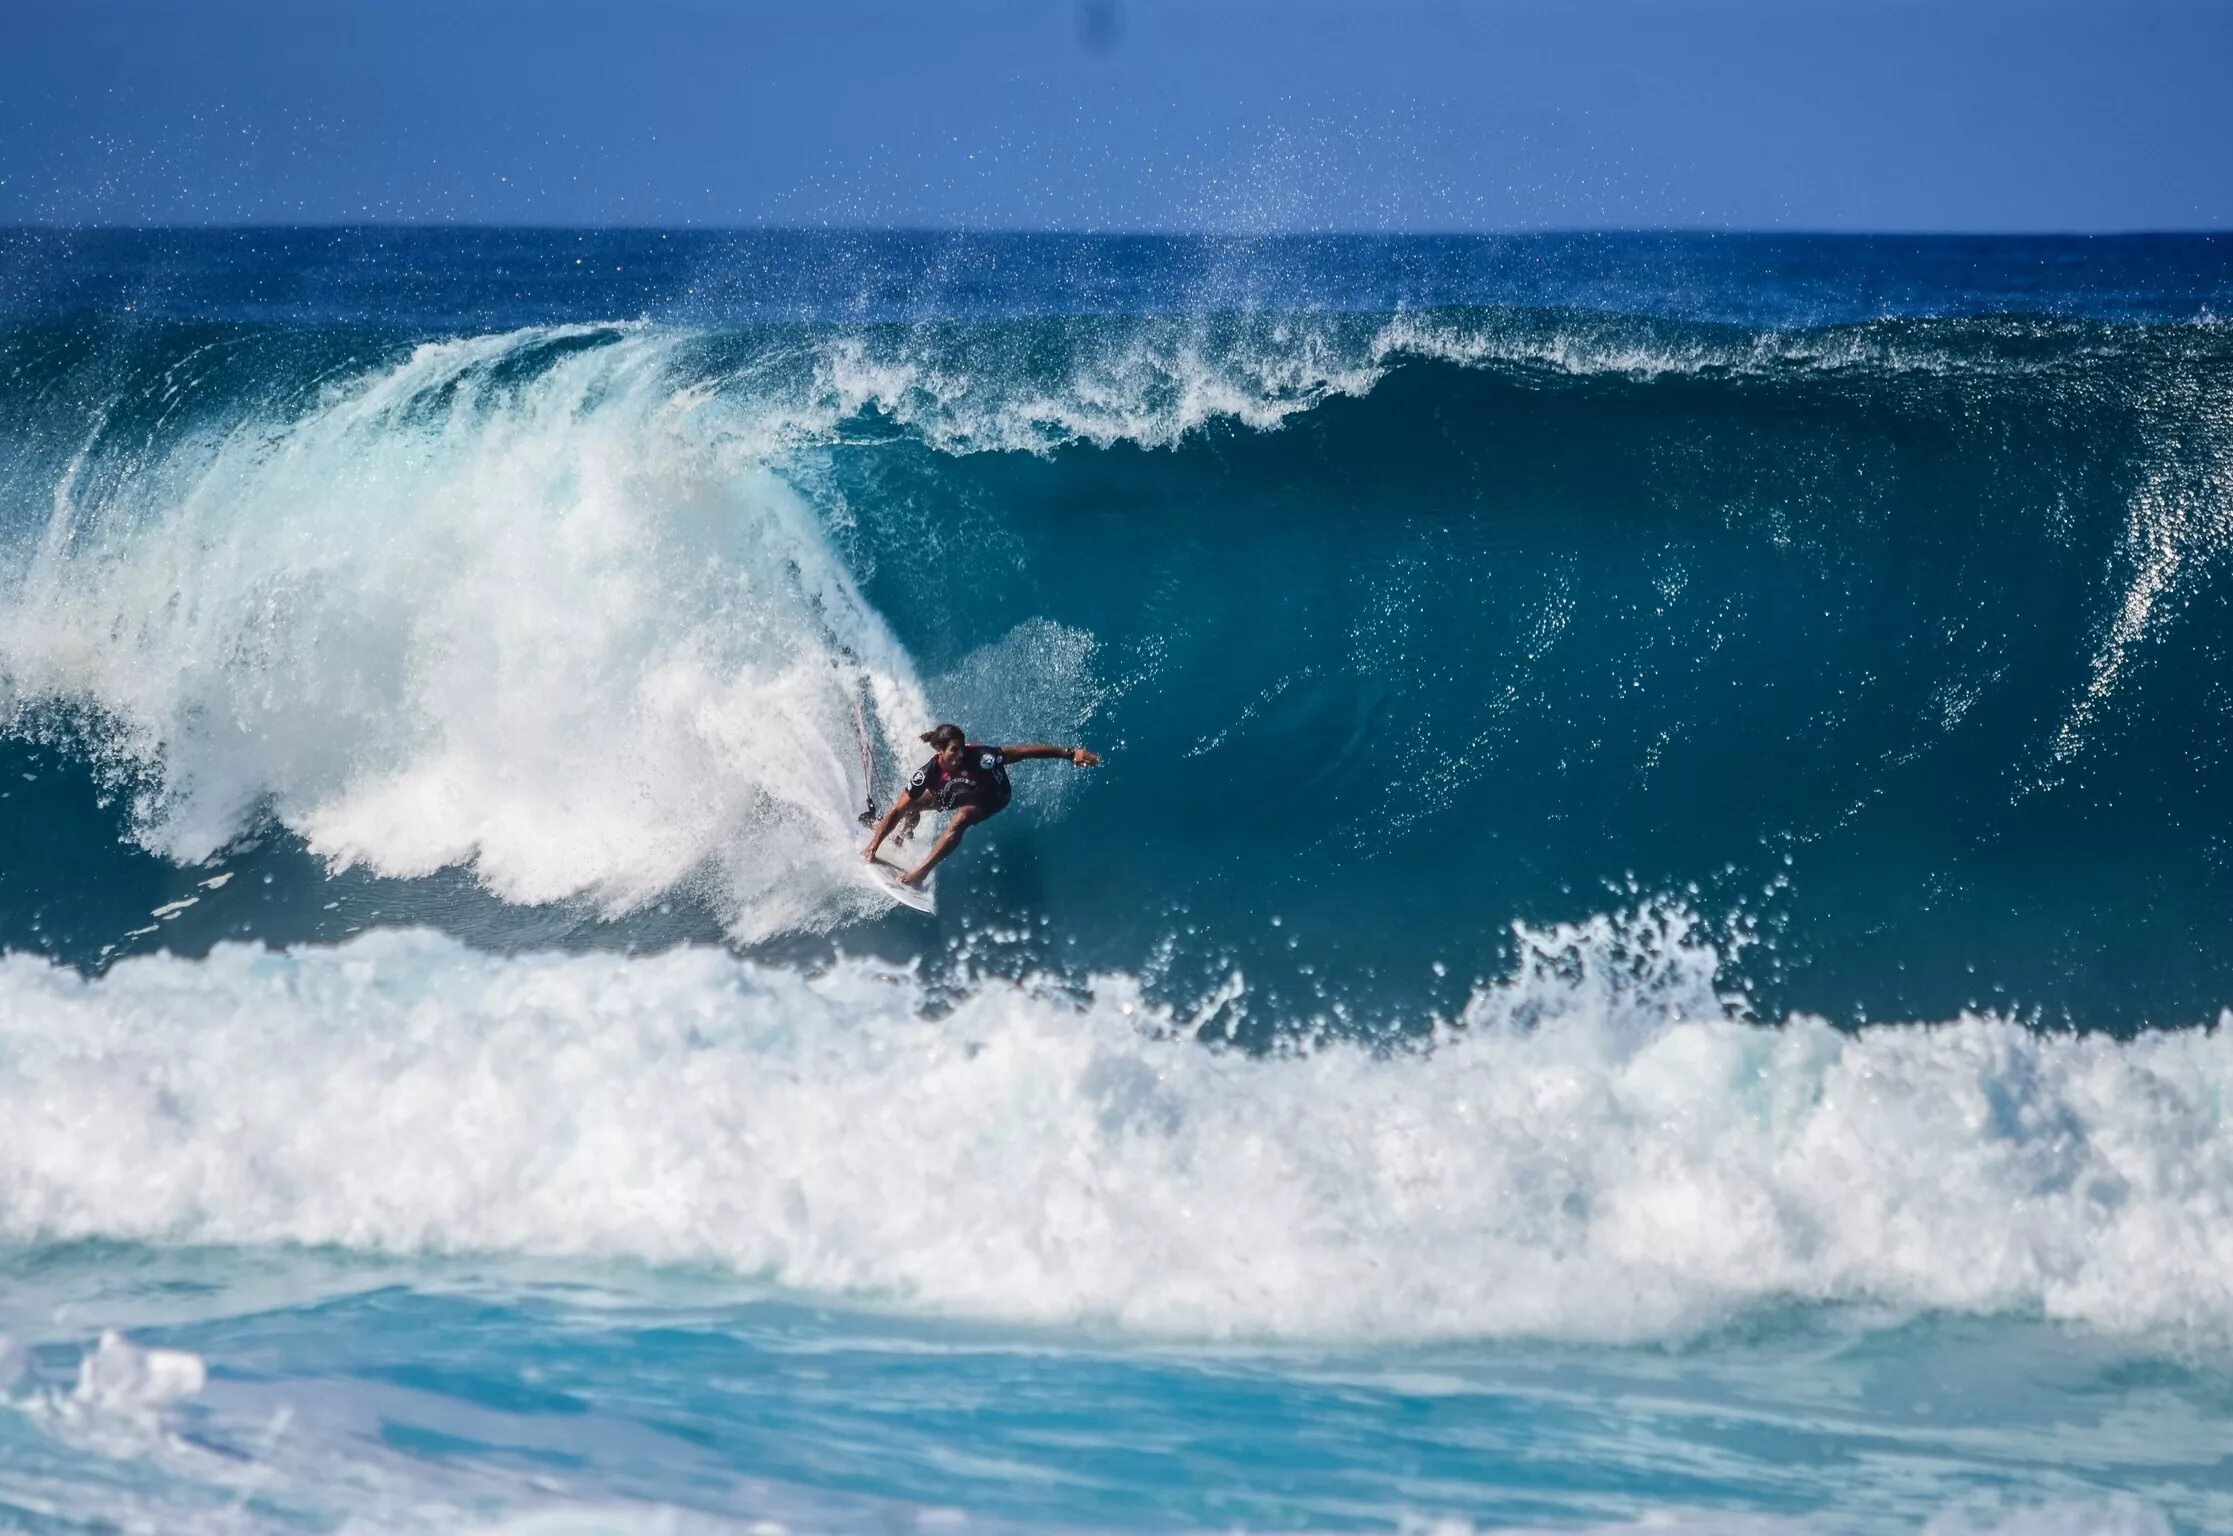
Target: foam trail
[(517, 602), (1599, 1152)]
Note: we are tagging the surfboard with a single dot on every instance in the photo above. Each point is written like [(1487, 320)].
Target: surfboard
[(886, 873)]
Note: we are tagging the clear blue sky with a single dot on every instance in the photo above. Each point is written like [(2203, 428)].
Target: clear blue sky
[(1242, 115)]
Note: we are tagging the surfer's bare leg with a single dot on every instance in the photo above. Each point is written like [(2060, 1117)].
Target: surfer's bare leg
[(948, 841)]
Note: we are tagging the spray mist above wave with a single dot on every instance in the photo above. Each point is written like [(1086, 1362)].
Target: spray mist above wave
[(1599, 1147)]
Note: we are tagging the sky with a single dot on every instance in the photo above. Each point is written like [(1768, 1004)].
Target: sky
[(1235, 116)]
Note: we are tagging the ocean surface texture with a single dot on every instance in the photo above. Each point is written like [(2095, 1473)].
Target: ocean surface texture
[(1649, 952)]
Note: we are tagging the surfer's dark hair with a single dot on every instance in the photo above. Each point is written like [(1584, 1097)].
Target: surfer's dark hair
[(945, 736)]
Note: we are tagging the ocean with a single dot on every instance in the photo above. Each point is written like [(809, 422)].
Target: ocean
[(1650, 950)]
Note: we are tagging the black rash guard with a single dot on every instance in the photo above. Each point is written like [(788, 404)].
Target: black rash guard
[(981, 780)]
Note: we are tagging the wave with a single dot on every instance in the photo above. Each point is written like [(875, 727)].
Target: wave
[(1597, 1147), (603, 613)]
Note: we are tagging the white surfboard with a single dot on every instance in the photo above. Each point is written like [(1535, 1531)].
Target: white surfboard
[(886, 873)]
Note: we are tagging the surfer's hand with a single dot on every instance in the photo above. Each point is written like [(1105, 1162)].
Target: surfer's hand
[(1084, 759), (869, 853)]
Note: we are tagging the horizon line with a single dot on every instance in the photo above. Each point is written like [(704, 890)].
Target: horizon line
[(952, 231)]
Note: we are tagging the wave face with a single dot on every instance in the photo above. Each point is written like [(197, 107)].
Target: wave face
[(1892, 643)]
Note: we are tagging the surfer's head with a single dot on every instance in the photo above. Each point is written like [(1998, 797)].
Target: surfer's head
[(947, 741)]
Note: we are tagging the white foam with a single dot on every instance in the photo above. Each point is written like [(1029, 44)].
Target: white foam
[(117, 1376), (516, 602), (1599, 1152), (1155, 381), (1151, 382)]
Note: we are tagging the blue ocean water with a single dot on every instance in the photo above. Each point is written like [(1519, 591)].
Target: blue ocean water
[(1648, 951)]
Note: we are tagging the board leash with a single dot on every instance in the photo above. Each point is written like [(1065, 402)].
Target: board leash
[(868, 817)]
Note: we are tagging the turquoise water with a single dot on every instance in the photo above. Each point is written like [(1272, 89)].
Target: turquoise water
[(1647, 952), (431, 1397)]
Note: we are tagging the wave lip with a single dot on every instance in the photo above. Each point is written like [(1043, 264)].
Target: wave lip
[(1597, 1150), (1156, 381)]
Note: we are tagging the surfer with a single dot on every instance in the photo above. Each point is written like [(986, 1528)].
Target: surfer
[(963, 777)]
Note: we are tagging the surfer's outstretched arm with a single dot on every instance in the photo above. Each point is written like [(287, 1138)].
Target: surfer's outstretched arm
[(1077, 755)]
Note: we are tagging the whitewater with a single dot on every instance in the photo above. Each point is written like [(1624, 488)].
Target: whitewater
[(1647, 954), (1574, 1156)]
